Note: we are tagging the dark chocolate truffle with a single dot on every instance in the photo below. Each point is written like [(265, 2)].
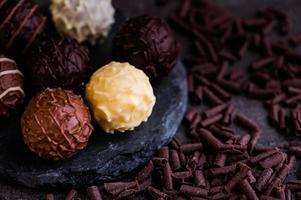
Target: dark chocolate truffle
[(147, 43), (59, 62), (56, 124), (11, 87), (21, 22)]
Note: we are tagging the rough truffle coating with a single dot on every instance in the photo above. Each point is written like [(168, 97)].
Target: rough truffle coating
[(84, 20), (120, 96), (59, 62), (147, 43), (56, 124), (21, 22), (11, 87)]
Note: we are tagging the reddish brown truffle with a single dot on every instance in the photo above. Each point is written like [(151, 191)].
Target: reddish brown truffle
[(147, 43), (11, 87), (56, 124), (21, 22), (59, 62)]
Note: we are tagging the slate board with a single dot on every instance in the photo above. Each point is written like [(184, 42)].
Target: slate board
[(107, 157)]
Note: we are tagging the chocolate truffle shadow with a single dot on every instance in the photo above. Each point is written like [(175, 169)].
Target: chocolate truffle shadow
[(102, 54)]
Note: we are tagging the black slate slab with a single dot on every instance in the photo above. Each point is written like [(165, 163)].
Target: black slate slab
[(107, 157)]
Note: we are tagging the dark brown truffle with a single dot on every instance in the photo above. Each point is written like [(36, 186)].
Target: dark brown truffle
[(58, 62), (11, 87), (56, 124), (147, 43), (21, 22)]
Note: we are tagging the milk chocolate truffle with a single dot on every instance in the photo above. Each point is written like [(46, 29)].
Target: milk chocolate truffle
[(59, 62), (56, 124), (11, 87), (84, 20), (147, 43), (120, 96), (21, 22)]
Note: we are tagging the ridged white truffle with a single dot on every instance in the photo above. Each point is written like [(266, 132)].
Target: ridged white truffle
[(120, 97), (84, 20)]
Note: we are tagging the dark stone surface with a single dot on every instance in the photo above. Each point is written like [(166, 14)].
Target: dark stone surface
[(107, 157)]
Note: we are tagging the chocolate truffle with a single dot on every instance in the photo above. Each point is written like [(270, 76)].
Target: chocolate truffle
[(59, 62), (147, 43), (84, 20), (56, 124), (120, 96), (11, 87), (21, 22)]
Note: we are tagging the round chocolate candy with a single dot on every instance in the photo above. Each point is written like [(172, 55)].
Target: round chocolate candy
[(59, 62), (56, 124), (11, 87), (94, 23), (147, 43), (21, 22), (120, 96)]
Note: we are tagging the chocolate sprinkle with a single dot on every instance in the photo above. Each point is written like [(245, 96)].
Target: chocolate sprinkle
[(94, 193), (193, 191), (71, 195)]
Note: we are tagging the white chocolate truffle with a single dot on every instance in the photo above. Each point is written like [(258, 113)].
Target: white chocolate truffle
[(120, 97), (84, 20)]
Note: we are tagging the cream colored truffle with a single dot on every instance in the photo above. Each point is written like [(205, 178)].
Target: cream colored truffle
[(84, 20), (120, 97)]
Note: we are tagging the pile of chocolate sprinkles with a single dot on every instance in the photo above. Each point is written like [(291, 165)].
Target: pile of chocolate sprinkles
[(219, 162)]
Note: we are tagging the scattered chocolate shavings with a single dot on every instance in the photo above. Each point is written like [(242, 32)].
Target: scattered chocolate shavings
[(219, 162)]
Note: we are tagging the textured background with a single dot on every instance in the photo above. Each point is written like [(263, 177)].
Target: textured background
[(251, 108)]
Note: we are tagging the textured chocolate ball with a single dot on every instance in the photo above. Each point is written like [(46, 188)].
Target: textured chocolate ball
[(147, 43), (120, 97), (21, 22), (56, 124), (11, 87), (94, 23), (59, 62)]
